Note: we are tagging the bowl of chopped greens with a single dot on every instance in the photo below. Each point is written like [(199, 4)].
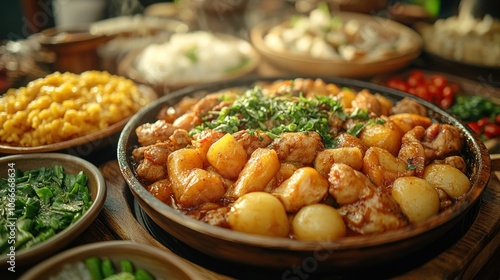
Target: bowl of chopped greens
[(190, 58), (114, 260), (47, 200)]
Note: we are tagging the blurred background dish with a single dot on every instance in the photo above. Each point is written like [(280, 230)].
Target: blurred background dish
[(158, 263), (465, 40), (131, 33), (71, 113), (189, 59), (356, 45), (71, 13), (71, 165), (22, 61), (75, 48), (465, 43)]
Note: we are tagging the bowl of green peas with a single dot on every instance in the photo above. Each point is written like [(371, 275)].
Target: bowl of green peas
[(114, 260)]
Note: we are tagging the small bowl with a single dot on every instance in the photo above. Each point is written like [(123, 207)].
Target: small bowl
[(84, 145), (161, 264), (281, 253), (75, 48), (308, 65), (71, 164)]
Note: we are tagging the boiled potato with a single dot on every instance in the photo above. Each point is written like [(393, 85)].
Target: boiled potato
[(257, 172), (351, 156), (259, 213), (448, 178), (382, 167), (227, 156), (161, 189), (416, 197), (385, 104), (407, 121), (179, 164), (318, 222), (346, 96), (386, 136), (305, 186), (191, 184), (286, 171), (204, 141)]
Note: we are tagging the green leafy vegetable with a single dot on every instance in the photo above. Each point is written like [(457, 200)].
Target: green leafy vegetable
[(254, 110), (358, 127), (472, 108), (38, 204)]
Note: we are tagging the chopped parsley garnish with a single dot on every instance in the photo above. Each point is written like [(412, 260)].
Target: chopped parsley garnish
[(254, 110), (360, 114), (358, 127), (411, 167)]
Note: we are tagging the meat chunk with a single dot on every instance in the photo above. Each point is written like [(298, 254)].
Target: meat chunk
[(252, 141), (407, 105), (375, 214), (366, 208), (150, 133), (442, 140), (301, 147)]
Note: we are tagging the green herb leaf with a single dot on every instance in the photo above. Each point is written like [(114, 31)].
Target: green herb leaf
[(254, 110)]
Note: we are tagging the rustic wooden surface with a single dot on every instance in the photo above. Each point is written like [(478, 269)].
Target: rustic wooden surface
[(463, 260)]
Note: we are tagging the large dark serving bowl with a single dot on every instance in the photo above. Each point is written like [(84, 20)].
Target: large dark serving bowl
[(352, 252)]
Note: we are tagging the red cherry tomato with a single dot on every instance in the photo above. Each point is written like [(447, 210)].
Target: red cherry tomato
[(422, 92), (397, 83), (436, 93), (448, 92), (434, 88), (413, 81), (418, 75), (438, 80), (454, 87), (482, 122), (491, 130), (445, 103), (474, 126), (497, 119)]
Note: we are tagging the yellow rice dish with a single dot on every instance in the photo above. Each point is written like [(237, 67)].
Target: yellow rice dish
[(64, 106)]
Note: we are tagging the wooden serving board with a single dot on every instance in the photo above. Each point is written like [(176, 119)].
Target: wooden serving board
[(469, 257)]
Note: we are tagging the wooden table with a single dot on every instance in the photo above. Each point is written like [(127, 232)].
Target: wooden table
[(472, 256)]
